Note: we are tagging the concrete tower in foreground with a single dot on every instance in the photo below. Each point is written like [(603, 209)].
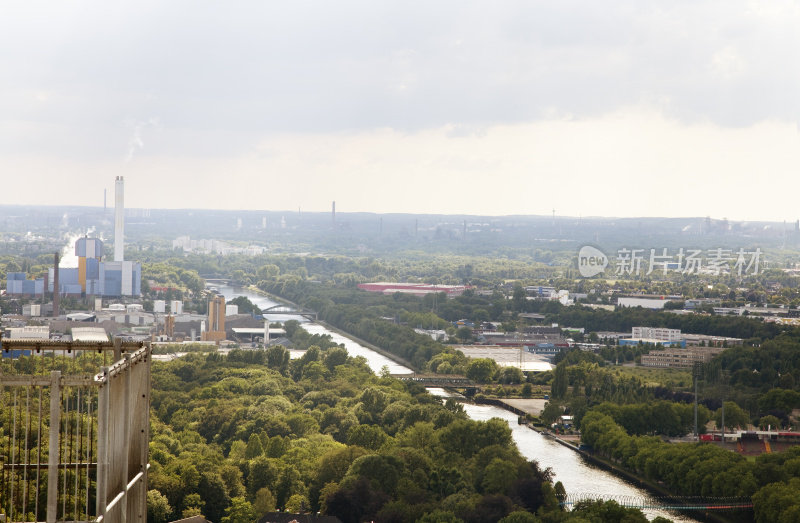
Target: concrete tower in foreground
[(119, 220)]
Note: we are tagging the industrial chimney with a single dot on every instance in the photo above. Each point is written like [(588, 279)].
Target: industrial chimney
[(119, 220), (56, 295)]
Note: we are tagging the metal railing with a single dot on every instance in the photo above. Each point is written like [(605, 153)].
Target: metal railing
[(74, 430)]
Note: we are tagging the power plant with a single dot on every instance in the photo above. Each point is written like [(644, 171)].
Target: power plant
[(92, 276)]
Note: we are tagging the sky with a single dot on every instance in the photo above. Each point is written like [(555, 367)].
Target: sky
[(578, 107)]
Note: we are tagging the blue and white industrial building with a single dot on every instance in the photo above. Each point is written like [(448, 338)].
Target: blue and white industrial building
[(92, 277)]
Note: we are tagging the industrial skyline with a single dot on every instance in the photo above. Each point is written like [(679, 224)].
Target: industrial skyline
[(92, 276)]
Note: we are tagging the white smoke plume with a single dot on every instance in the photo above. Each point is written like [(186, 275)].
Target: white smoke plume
[(136, 143)]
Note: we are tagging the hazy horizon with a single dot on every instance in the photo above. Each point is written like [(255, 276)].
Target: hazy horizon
[(135, 212)]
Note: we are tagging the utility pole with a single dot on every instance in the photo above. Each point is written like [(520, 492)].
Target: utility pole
[(695, 372), (724, 394)]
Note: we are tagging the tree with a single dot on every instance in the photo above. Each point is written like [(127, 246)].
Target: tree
[(373, 400), (511, 375), (518, 298), (607, 512), (368, 436), (291, 327), (158, 509), (214, 493), (481, 370), (769, 422), (520, 516), (264, 502), (192, 281), (335, 356), (560, 381), (240, 511), (440, 516), (480, 316), (382, 471), (267, 272), (355, 502), (777, 502), (735, 416), (491, 508), (467, 437), (278, 358), (297, 503), (193, 505), (498, 476), (464, 334), (560, 492), (551, 413), (527, 390), (245, 305), (331, 469)]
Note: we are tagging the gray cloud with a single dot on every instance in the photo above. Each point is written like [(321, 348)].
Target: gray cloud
[(219, 76)]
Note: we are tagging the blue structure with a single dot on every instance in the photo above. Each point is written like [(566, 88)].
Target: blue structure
[(102, 279), (15, 353), (18, 284), (92, 276), (68, 282)]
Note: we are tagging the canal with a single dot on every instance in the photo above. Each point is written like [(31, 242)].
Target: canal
[(576, 473), (375, 361)]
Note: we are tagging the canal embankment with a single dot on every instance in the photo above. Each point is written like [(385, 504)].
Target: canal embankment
[(522, 408)]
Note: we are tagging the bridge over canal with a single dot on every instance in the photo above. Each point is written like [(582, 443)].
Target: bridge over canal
[(437, 380), (285, 309), (667, 503)]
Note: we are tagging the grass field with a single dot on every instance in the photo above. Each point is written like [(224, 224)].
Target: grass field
[(673, 378)]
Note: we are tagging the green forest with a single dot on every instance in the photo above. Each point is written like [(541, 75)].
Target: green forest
[(235, 437)]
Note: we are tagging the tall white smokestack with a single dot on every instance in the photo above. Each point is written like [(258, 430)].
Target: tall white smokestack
[(119, 220)]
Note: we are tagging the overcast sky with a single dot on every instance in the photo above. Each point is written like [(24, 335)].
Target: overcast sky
[(623, 108)]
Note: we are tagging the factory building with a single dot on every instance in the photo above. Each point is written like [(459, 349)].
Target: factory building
[(95, 277), (17, 284), (92, 277), (216, 320)]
